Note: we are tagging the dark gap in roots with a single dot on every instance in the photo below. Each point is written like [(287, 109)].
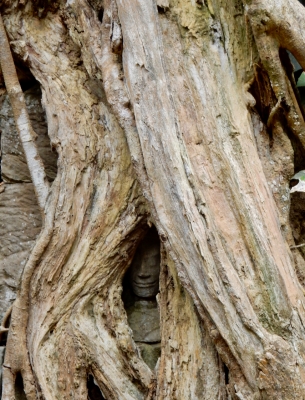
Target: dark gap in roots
[(293, 182), (25, 76), (101, 14), (42, 7), (161, 10), (297, 208), (294, 70), (297, 223), (227, 374), (3, 335), (94, 392), (2, 353), (297, 199), (19, 388), (302, 2), (262, 91), (264, 96)]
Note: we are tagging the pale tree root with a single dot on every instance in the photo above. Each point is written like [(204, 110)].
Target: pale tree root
[(23, 124), (117, 97), (238, 382), (76, 341), (179, 315), (273, 33), (16, 355), (270, 37), (276, 367), (23, 326), (105, 49), (126, 119)]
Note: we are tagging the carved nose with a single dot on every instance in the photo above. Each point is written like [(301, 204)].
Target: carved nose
[(143, 272)]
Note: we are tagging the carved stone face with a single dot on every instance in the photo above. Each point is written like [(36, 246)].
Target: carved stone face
[(145, 268)]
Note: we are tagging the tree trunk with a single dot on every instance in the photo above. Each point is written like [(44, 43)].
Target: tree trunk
[(184, 115)]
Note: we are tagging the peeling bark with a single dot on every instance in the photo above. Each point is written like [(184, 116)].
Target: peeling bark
[(151, 109)]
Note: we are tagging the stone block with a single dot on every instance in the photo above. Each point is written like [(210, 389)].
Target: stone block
[(14, 166), (20, 223)]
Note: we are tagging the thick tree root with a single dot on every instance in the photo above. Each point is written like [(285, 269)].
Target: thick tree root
[(271, 34), (74, 298)]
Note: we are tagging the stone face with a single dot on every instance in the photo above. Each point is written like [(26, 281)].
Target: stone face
[(20, 223), (142, 309), (145, 267), (14, 166)]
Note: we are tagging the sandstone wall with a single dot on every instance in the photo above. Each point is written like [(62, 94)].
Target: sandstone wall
[(20, 220)]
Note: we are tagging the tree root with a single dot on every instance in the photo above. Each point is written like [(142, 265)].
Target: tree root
[(104, 53), (16, 356), (23, 124), (273, 112), (266, 26), (2, 187), (5, 318)]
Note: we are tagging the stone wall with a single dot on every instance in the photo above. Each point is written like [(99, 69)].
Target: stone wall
[(20, 220)]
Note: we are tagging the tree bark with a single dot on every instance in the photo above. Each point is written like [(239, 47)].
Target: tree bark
[(184, 115)]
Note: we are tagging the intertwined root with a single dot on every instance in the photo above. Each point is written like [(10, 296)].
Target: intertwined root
[(17, 358), (272, 33)]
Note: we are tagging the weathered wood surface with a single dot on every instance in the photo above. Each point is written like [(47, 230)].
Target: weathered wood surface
[(211, 197), (149, 111)]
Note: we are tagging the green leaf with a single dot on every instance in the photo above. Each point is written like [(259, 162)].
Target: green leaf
[(300, 175)]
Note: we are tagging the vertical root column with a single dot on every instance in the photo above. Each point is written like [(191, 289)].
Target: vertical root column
[(268, 44), (16, 359)]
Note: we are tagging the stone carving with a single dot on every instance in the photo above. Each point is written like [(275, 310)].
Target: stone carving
[(14, 166), (140, 289), (20, 219)]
